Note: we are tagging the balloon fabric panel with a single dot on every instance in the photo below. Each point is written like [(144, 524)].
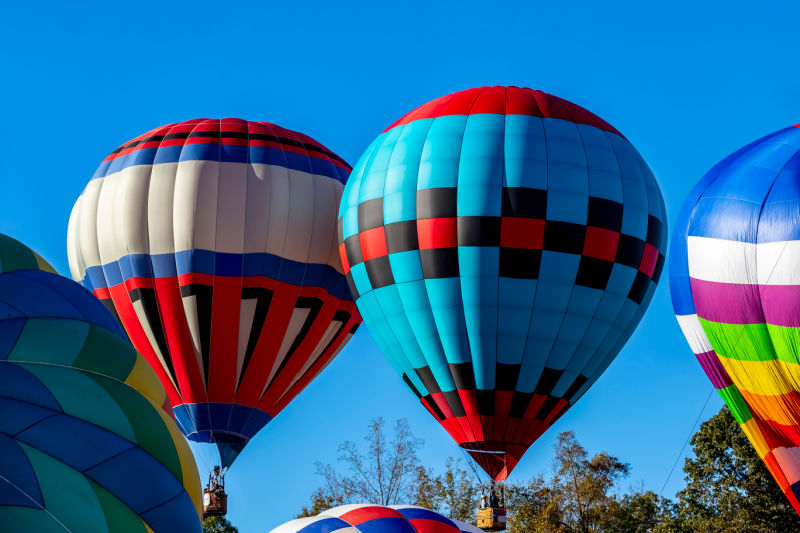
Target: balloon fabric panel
[(733, 282), (85, 435), (502, 245), (214, 242)]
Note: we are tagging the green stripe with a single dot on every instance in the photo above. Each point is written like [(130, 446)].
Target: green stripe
[(15, 256), (754, 342), (119, 517), (733, 399), (96, 354), (55, 341)]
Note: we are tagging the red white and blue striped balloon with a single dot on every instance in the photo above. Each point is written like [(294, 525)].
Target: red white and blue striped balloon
[(214, 241), (368, 518)]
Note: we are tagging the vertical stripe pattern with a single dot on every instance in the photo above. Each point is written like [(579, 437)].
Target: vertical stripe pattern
[(214, 243), (502, 244)]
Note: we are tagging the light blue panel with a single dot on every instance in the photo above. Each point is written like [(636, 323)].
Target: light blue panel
[(350, 192), (558, 267), (374, 178), (400, 206), (349, 222), (580, 359), (567, 206), (544, 326), (561, 354), (525, 152), (566, 157), (414, 296), (361, 278), (572, 328), (584, 301), (406, 266), (448, 313), (480, 316), (564, 382), (529, 375), (552, 297), (604, 173), (514, 317), (392, 306), (596, 332), (403, 169), (441, 154), (478, 201), (479, 261), (482, 151), (376, 324), (441, 373), (620, 281)]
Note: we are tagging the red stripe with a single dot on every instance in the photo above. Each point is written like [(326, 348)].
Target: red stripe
[(649, 260), (373, 243), (225, 307), (602, 244), (365, 514), (343, 257), (437, 233), (526, 233), (505, 101)]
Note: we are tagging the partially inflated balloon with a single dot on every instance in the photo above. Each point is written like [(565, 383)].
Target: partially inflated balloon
[(502, 244), (84, 440), (215, 243), (735, 284), (366, 518)]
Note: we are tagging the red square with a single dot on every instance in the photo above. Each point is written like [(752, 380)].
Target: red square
[(526, 233), (373, 243), (343, 256), (601, 243), (437, 233), (649, 260)]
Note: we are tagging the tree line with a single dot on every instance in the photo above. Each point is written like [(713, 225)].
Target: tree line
[(727, 487)]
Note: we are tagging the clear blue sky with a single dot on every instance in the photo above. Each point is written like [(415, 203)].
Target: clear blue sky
[(686, 82)]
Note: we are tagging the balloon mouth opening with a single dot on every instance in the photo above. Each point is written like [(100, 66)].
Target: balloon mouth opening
[(494, 448)]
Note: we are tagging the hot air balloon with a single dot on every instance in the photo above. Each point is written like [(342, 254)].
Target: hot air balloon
[(85, 442), (366, 518), (214, 241), (735, 281), (502, 244)]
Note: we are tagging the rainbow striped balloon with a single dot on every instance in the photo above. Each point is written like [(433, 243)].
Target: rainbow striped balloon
[(735, 284)]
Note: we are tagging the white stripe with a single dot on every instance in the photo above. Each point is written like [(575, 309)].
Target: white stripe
[(231, 206), (76, 267), (86, 229), (694, 333), (160, 208), (725, 261), (722, 260), (789, 461)]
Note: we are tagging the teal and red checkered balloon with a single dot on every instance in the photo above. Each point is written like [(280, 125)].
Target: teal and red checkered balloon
[(502, 244)]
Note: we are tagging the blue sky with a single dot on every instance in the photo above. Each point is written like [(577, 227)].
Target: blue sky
[(686, 83)]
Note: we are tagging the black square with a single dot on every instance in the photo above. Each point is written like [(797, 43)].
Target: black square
[(577, 384), (506, 376), (479, 231), (463, 375), (565, 237), (485, 402), (520, 263), (352, 247), (370, 214), (659, 268), (524, 202), (379, 271), (454, 401), (439, 263), (426, 376), (440, 202), (401, 236), (520, 403), (546, 408), (593, 272), (639, 287), (654, 228), (548, 380), (629, 251), (603, 213)]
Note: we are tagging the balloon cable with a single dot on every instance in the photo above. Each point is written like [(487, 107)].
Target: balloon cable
[(691, 432)]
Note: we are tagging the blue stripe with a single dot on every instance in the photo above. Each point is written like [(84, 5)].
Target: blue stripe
[(218, 264), (325, 525), (226, 154)]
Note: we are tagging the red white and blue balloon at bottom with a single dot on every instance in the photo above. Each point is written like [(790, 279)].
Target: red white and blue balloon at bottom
[(367, 518)]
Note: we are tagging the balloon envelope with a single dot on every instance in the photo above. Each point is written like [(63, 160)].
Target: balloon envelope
[(735, 286), (215, 243), (502, 244), (367, 518), (85, 440)]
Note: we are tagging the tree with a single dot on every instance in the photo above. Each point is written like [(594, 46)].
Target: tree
[(534, 506), (218, 524), (637, 512), (451, 493), (728, 487), (385, 474)]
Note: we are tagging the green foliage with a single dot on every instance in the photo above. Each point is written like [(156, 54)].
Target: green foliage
[(728, 487), (218, 524), (452, 493)]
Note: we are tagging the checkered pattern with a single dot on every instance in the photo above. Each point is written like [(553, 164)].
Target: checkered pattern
[(501, 260)]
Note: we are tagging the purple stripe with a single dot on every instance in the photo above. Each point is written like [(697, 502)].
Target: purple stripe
[(738, 303), (781, 304), (714, 369), (727, 303)]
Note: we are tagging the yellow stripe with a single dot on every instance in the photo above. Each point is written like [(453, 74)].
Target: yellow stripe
[(43, 265), (767, 378), (755, 437)]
